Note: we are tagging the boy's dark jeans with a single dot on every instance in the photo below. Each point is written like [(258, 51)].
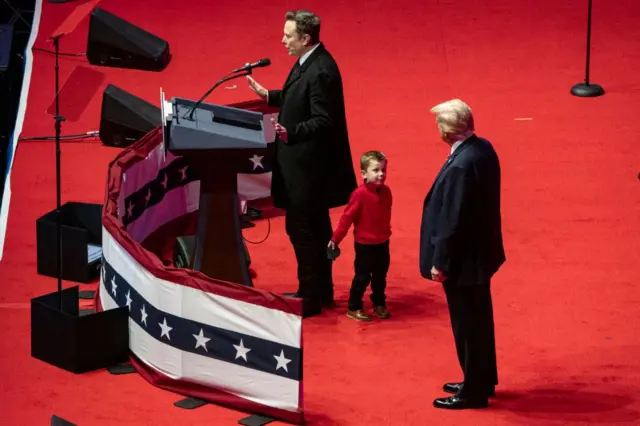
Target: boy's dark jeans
[(371, 266)]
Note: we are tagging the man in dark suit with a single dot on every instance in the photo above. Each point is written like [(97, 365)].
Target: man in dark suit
[(313, 170), (461, 247)]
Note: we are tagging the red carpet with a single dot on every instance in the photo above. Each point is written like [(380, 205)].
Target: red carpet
[(566, 302)]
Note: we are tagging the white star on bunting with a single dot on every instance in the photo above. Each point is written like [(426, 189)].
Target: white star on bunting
[(241, 351), (144, 315), (128, 296), (165, 329), (282, 361), (201, 340), (113, 285), (257, 161)]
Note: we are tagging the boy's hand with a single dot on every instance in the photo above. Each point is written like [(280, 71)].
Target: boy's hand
[(437, 275), (333, 251)]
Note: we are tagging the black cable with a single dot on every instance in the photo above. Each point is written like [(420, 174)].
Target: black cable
[(60, 54), (78, 136), (266, 236)]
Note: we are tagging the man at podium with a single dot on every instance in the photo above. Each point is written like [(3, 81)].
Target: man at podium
[(313, 169)]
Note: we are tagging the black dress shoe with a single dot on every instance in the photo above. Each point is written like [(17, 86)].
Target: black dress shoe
[(310, 309), (328, 303), (454, 388), (455, 403)]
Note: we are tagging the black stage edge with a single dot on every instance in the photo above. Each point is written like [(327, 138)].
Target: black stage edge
[(63, 338), (59, 421), (586, 89), (190, 403), (255, 420)]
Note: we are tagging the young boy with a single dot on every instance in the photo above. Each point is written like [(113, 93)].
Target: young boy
[(369, 210)]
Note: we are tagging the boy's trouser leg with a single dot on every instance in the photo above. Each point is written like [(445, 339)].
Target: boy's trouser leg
[(363, 266), (381, 260)]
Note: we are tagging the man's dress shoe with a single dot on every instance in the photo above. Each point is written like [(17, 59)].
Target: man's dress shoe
[(327, 302), (309, 308), (454, 388), (455, 403)]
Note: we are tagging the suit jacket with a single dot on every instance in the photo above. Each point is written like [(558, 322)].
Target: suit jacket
[(461, 232), (314, 168)]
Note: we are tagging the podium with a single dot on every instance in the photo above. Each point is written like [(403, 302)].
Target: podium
[(216, 141)]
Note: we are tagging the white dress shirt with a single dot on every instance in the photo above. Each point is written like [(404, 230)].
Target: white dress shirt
[(306, 55), (456, 144)]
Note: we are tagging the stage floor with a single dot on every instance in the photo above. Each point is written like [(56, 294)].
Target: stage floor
[(566, 301)]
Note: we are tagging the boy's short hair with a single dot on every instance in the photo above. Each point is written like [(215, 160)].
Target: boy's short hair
[(370, 156)]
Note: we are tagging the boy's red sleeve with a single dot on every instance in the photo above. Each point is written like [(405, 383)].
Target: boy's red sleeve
[(350, 214)]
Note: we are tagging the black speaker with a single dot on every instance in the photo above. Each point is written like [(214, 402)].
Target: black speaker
[(125, 118), (114, 42), (77, 343), (80, 227)]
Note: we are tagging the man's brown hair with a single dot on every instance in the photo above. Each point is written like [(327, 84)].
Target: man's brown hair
[(306, 23)]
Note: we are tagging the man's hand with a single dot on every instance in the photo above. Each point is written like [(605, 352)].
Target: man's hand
[(437, 275), (281, 131), (332, 245), (257, 88)]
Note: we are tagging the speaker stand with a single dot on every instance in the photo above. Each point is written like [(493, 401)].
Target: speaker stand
[(58, 124), (586, 89)]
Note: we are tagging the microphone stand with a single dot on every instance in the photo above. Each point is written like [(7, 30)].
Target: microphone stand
[(58, 120), (587, 90), (227, 77)]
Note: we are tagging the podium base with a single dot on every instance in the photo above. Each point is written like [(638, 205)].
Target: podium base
[(584, 90)]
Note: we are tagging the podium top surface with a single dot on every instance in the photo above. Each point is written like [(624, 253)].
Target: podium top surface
[(213, 127)]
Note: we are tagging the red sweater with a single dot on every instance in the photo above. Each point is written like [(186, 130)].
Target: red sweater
[(370, 213)]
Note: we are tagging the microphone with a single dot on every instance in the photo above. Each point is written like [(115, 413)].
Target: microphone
[(246, 68), (261, 63)]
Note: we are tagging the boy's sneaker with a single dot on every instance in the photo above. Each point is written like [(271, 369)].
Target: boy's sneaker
[(381, 312), (359, 315)]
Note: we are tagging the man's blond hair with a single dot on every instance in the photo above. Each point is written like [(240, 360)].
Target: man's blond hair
[(454, 118)]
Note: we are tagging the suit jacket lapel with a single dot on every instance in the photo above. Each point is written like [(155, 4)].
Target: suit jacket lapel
[(294, 75), (447, 163), (298, 70)]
